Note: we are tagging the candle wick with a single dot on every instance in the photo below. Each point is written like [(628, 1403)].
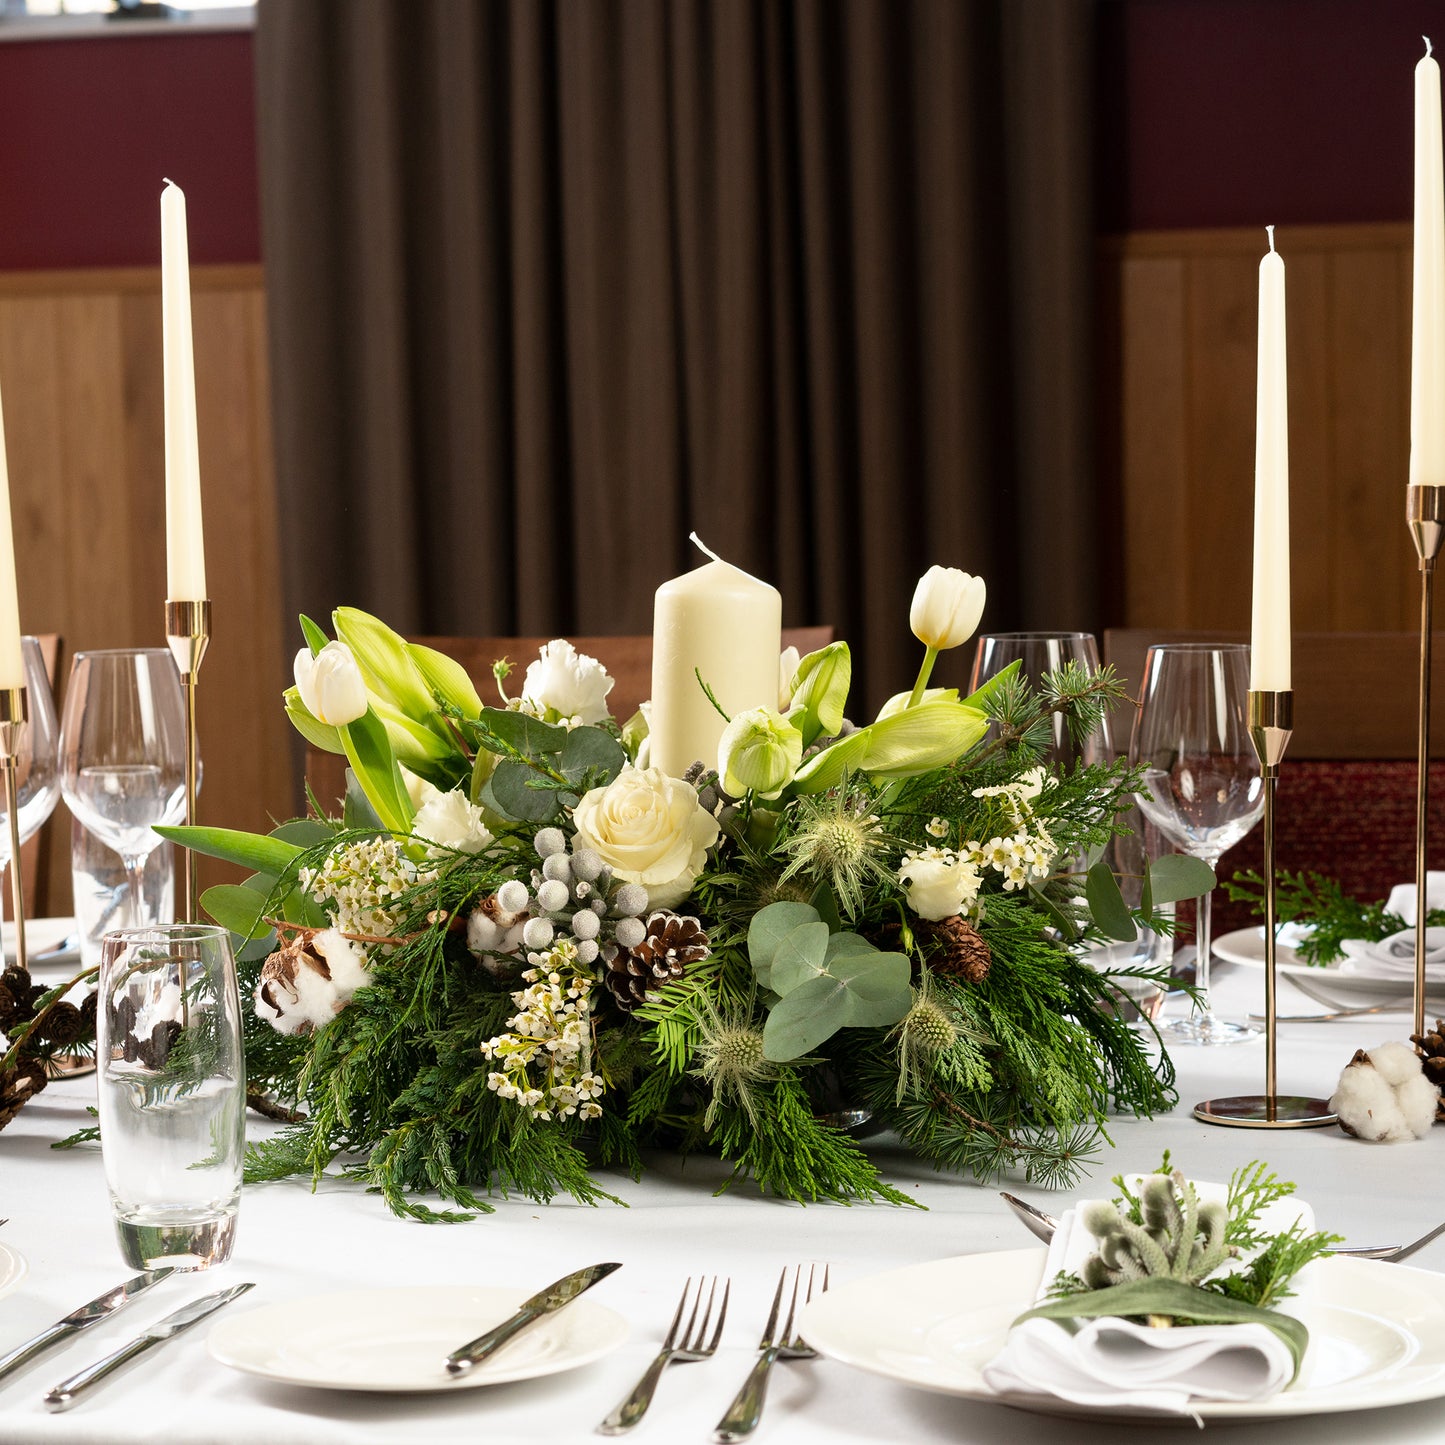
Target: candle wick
[(1429, 49), (703, 547), (168, 180), (1269, 231)]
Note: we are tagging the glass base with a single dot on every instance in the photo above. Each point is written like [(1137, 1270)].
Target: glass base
[(1207, 1029), (182, 1242)]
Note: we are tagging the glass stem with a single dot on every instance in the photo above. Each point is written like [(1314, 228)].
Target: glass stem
[(135, 874), (1202, 943)]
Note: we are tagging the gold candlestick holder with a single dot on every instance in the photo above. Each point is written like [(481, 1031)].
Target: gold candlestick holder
[(1271, 721), (1425, 513), (188, 634), (14, 715)]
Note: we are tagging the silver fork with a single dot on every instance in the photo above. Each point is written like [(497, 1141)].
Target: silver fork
[(776, 1343), (685, 1343)]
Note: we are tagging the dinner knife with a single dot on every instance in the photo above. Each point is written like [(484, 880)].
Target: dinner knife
[(68, 1391), (553, 1298), (100, 1308)]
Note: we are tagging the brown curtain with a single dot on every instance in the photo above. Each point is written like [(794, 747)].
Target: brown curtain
[(552, 282)]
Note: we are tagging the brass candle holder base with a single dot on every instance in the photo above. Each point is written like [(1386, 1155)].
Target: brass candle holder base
[(1271, 722), (188, 634), (14, 716), (1425, 515)]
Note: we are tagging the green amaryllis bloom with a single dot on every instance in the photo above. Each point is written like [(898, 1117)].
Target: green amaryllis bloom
[(917, 740), (820, 691), (760, 751), (391, 672)]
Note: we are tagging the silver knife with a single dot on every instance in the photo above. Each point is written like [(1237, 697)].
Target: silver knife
[(67, 1392), (552, 1298), (100, 1308)]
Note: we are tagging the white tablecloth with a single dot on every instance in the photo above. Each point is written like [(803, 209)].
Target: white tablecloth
[(294, 1243)]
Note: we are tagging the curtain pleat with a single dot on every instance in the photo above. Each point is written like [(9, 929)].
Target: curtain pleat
[(554, 282)]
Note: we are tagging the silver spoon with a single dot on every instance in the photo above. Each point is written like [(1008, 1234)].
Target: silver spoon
[(1042, 1226)]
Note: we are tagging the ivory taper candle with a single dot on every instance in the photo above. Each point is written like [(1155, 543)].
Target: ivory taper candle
[(718, 622), (185, 548), (1269, 666), (1427, 334), (12, 665)]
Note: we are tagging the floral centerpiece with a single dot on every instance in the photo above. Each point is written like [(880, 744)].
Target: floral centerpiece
[(521, 954)]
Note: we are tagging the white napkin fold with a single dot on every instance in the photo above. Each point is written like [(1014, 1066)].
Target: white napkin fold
[(1394, 957), (1403, 897), (1112, 1362)]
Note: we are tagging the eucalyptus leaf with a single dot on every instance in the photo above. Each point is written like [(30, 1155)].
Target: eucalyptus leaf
[(235, 907), (859, 991), (529, 736), (591, 751), (769, 927), (511, 794), (257, 948), (800, 956), (1107, 904), (1067, 926), (1176, 876), (356, 809)]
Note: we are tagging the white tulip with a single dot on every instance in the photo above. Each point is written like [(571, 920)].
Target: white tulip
[(947, 605), (330, 684)]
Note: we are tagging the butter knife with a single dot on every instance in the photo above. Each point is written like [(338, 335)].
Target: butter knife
[(68, 1392), (553, 1298), (100, 1308)]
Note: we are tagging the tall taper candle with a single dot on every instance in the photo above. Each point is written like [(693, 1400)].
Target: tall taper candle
[(185, 551), (12, 665), (1427, 336), (1269, 665)]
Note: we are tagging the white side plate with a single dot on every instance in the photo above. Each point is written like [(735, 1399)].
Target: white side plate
[(1245, 946), (12, 1268)]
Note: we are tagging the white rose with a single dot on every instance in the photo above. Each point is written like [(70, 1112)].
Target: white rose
[(567, 684), (649, 829), (450, 820), (938, 882), (330, 684)]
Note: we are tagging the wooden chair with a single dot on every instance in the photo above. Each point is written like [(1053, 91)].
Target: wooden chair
[(1347, 786), (36, 852), (628, 660)]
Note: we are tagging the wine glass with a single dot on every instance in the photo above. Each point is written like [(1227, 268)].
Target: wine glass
[(1040, 653), (1201, 780), (37, 789), (123, 754)]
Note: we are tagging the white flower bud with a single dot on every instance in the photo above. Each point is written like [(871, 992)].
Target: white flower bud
[(330, 684), (586, 864), (513, 895), (587, 951), (631, 899), (557, 866), (553, 895), (947, 605), (585, 924), (598, 906), (537, 933), (630, 932), (550, 841)]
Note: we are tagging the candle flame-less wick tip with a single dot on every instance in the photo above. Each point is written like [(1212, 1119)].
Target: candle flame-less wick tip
[(703, 546), (1269, 231), (1429, 49)]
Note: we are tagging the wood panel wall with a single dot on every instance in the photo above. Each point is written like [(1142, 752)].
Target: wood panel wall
[(80, 377), (1178, 391)]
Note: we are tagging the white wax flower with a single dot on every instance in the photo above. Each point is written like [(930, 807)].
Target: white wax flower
[(947, 605), (330, 684), (567, 685), (650, 829), (939, 883), (452, 821)]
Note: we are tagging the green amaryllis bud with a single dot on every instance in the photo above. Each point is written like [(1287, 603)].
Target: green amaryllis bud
[(390, 671), (900, 700), (447, 678), (820, 691), (759, 751), (947, 605), (413, 744), (917, 740)]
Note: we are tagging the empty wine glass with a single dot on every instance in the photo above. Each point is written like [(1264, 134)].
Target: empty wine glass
[(123, 754), (1201, 780), (1039, 653), (37, 788)]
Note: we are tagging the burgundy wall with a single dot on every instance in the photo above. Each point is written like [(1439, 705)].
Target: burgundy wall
[(90, 128), (1245, 112)]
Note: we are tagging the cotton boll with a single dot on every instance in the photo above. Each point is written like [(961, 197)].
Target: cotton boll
[(1384, 1096), (1418, 1099), (346, 960), (1396, 1063)]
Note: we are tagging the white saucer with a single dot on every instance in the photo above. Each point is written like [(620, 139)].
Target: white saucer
[(1245, 946), (397, 1340), (12, 1268)]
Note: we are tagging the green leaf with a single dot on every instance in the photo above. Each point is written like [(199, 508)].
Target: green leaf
[(826, 903), (369, 752), (1107, 905), (590, 750), (447, 678), (1172, 1297), (256, 851), (316, 639), (993, 686), (769, 927), (1067, 926), (235, 907), (512, 796), (317, 733), (304, 832), (799, 957), (1177, 875), (386, 665), (859, 991), (356, 809), (529, 736)]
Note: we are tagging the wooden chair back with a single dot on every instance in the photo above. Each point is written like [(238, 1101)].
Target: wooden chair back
[(628, 659)]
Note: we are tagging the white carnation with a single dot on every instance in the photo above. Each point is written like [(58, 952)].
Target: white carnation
[(451, 821), (566, 685)]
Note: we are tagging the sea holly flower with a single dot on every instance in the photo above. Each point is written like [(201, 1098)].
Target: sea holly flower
[(330, 684), (758, 751)]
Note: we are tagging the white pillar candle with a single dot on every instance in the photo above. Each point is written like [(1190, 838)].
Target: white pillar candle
[(12, 665), (185, 550), (1427, 336), (1269, 669), (719, 622)]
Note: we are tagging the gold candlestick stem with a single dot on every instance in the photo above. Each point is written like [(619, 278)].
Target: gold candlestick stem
[(14, 714), (188, 634), (1425, 514), (1271, 721)]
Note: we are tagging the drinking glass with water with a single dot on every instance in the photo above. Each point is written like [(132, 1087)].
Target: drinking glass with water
[(172, 1090)]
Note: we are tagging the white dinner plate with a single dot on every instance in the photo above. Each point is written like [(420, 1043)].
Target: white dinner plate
[(1377, 1334), (1246, 946), (397, 1340), (12, 1268), (42, 935)]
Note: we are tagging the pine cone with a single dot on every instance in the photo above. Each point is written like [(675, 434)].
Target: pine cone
[(87, 1015), (62, 1026), (673, 942), (1431, 1048), (962, 952), (7, 1007), (18, 1085)]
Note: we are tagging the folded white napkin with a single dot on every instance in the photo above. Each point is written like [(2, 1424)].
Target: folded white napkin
[(1112, 1362), (1394, 957), (1403, 897)]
